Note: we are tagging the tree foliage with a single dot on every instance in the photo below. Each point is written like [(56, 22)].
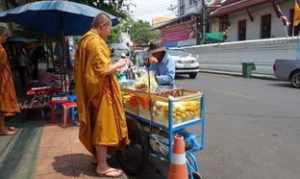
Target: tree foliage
[(123, 26), (141, 32), (113, 7)]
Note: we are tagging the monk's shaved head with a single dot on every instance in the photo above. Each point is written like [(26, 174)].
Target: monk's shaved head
[(100, 20)]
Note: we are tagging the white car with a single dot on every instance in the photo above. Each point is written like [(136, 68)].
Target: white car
[(185, 63)]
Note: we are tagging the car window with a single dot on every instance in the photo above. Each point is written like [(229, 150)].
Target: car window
[(180, 53), (119, 52), (140, 57)]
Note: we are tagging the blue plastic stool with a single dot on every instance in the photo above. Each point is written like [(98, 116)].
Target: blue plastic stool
[(72, 98)]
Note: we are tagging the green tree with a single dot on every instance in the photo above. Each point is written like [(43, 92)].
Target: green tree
[(123, 26), (113, 7), (141, 32)]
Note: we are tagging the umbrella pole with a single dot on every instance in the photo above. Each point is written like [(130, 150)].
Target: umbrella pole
[(64, 66), (64, 72)]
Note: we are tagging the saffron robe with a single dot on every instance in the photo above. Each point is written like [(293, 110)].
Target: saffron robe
[(100, 108), (8, 98)]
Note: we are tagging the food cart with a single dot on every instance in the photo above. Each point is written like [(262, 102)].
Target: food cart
[(153, 121)]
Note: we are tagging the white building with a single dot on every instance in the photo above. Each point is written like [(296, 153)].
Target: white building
[(252, 19)]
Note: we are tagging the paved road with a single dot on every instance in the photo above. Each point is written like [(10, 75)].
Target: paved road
[(253, 128)]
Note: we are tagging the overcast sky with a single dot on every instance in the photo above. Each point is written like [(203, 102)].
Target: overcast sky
[(147, 9)]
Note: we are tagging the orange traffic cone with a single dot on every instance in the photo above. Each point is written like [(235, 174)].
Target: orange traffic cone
[(178, 169)]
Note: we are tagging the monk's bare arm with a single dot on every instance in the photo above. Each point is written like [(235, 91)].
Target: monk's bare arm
[(100, 63), (116, 66)]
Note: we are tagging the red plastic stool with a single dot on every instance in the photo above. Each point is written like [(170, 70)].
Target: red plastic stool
[(66, 106), (53, 103)]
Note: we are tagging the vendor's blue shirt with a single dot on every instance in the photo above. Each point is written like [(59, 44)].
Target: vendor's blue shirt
[(164, 71)]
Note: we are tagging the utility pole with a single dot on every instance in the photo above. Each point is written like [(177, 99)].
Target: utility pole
[(201, 23), (204, 16)]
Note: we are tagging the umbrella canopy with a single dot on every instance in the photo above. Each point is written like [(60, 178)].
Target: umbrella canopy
[(55, 18), (21, 40)]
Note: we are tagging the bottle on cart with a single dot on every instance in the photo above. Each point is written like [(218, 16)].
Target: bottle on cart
[(131, 75)]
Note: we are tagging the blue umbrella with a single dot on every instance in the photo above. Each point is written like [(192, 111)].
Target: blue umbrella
[(21, 40), (55, 18)]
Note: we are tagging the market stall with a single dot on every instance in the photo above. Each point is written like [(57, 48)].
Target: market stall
[(155, 117)]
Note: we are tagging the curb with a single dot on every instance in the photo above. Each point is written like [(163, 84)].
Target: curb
[(238, 74)]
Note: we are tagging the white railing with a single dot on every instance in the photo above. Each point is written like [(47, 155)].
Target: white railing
[(228, 56)]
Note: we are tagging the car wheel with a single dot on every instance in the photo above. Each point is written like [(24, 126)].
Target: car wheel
[(295, 79), (193, 75)]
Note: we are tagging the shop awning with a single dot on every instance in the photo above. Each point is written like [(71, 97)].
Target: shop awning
[(237, 6)]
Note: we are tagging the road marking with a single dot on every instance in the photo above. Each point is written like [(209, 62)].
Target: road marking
[(216, 76), (233, 93)]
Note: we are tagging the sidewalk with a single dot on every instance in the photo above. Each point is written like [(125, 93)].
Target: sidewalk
[(254, 75), (18, 152), (62, 156)]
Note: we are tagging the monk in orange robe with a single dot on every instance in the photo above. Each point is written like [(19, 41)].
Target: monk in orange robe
[(8, 100), (100, 109)]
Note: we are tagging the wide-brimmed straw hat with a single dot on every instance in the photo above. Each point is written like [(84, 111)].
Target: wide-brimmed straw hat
[(155, 47)]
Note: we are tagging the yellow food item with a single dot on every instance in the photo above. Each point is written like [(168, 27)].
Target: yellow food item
[(182, 111)]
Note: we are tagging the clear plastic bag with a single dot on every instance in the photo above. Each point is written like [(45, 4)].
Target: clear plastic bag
[(142, 83)]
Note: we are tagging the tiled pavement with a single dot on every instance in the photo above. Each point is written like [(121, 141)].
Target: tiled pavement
[(62, 156)]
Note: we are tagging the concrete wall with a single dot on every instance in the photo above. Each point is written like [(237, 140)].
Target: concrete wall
[(253, 28), (229, 56)]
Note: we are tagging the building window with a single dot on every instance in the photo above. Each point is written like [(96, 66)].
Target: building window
[(265, 26), (293, 29), (242, 29), (223, 23)]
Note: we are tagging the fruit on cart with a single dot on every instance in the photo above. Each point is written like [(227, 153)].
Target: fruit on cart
[(131, 99), (182, 111), (144, 102), (130, 103), (167, 93)]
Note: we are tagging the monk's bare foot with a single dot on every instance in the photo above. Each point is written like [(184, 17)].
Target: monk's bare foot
[(11, 128), (109, 172), (7, 132), (94, 161)]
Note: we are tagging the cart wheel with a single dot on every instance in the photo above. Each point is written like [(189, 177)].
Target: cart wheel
[(134, 157), (197, 175)]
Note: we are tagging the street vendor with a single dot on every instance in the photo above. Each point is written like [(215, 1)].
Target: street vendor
[(100, 108), (161, 63), (8, 99)]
